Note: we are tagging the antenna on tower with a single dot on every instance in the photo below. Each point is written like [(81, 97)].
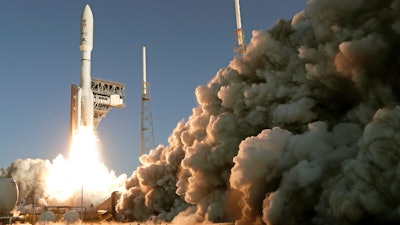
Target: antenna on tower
[(147, 133), (240, 45)]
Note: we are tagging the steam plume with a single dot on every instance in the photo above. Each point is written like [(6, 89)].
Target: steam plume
[(32, 177), (303, 129)]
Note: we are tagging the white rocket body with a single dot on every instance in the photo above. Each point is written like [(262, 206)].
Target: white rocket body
[(85, 113)]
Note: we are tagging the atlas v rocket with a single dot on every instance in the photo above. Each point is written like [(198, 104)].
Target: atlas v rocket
[(94, 97), (82, 97), (85, 94)]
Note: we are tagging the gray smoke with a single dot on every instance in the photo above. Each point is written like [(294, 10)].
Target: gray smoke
[(303, 129)]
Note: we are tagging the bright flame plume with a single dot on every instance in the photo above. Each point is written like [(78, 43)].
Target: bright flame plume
[(82, 172)]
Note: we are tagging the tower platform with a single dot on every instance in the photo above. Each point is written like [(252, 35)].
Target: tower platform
[(106, 95)]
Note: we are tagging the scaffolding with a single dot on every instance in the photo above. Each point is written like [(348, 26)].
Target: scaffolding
[(106, 95), (146, 132), (240, 46)]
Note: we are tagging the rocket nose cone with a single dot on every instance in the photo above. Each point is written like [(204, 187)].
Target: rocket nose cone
[(86, 39), (87, 11)]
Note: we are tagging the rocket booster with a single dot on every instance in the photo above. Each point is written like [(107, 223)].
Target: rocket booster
[(85, 94)]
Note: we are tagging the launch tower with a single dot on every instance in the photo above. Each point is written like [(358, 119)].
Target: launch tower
[(106, 95), (240, 44), (147, 133)]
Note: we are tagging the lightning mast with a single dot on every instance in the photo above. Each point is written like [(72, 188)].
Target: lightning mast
[(240, 46), (147, 133)]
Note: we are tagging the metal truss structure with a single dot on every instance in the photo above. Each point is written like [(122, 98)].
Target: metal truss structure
[(106, 95)]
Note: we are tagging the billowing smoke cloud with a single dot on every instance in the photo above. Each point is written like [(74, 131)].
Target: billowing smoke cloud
[(30, 175), (303, 129), (34, 178)]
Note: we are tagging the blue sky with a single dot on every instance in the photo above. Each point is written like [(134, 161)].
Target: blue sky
[(187, 43)]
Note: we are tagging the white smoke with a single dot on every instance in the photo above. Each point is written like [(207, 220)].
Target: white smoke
[(32, 177), (303, 129)]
